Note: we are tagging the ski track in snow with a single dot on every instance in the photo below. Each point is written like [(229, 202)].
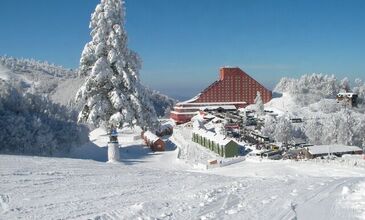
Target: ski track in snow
[(149, 185), (48, 188)]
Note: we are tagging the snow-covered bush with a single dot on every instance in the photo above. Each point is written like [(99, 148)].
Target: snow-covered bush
[(326, 106), (309, 88), (31, 124), (342, 127)]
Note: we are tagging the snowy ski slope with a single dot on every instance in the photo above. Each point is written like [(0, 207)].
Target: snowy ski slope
[(148, 185)]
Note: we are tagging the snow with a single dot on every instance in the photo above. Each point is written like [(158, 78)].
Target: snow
[(190, 100), (215, 107), (147, 185), (150, 136), (112, 94), (113, 153), (282, 104), (347, 94), (185, 113), (66, 90), (176, 184), (355, 198), (4, 73), (324, 149), (217, 138)]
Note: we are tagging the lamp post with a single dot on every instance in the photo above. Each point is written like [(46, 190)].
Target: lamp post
[(113, 147)]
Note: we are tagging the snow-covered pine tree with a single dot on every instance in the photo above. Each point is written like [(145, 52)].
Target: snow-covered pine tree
[(112, 93), (283, 130), (313, 130), (360, 90), (269, 127), (345, 85), (244, 118), (330, 129), (345, 128), (259, 104)]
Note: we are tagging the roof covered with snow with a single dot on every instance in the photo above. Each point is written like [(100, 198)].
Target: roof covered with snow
[(209, 103), (324, 149), (166, 126), (215, 107), (150, 136), (217, 138), (347, 94), (191, 100)]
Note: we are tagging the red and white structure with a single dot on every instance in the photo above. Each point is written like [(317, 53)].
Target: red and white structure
[(154, 142), (234, 89)]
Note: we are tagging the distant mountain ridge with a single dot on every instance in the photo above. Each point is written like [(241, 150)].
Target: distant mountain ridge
[(36, 77), (28, 65), (58, 83)]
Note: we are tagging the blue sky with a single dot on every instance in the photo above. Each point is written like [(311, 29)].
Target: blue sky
[(184, 42)]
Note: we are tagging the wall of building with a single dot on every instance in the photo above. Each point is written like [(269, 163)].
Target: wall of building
[(234, 85), (229, 150)]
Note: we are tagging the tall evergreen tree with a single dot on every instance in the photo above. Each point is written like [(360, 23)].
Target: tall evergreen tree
[(345, 128), (259, 104), (269, 127), (112, 93), (283, 130), (314, 129)]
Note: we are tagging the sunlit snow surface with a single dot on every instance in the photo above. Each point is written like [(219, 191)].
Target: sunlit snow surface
[(148, 185), (4, 73)]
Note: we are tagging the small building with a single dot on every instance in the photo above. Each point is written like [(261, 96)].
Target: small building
[(218, 108), (296, 120), (325, 150), (271, 154), (348, 98), (275, 146), (215, 142), (297, 142), (231, 126), (259, 137), (294, 154), (153, 141)]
